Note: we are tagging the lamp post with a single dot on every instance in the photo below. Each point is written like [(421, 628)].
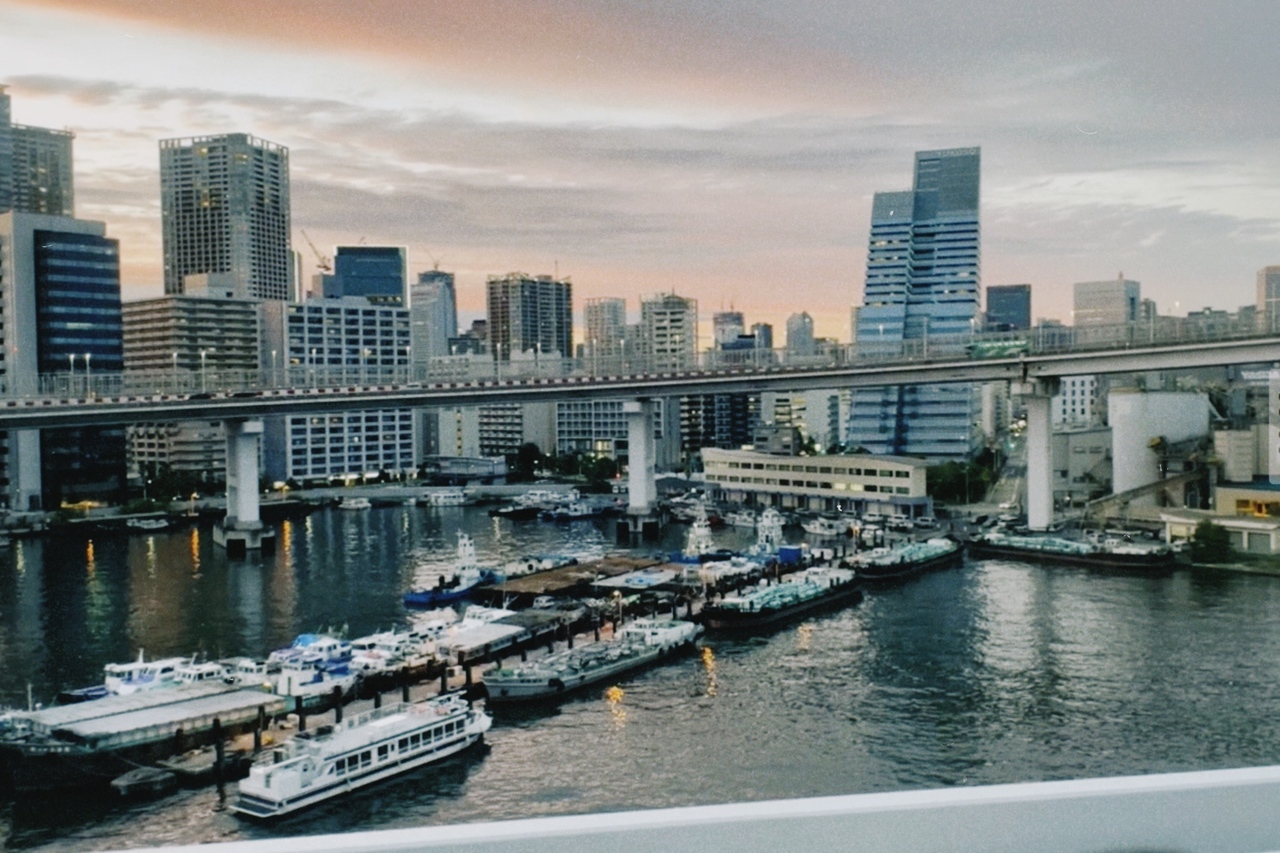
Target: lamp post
[(175, 371), (88, 374), (273, 368), (71, 373), (595, 370), (204, 377), (313, 366)]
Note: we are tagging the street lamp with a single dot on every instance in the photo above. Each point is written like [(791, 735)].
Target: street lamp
[(273, 368), (175, 371), (88, 374), (204, 383), (71, 373), (595, 371), (313, 366)]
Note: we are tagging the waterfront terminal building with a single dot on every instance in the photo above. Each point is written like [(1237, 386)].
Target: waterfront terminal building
[(885, 485)]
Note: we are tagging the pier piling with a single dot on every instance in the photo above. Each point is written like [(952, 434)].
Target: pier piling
[(219, 751)]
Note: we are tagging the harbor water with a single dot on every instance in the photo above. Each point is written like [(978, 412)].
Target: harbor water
[(993, 672)]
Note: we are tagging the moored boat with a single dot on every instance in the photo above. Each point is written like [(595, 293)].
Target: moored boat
[(907, 559), (637, 644), (802, 592), (467, 576), (1111, 553), (355, 503), (828, 526), (379, 744)]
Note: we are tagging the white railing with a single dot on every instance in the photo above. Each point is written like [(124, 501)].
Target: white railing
[(525, 366), (1224, 811)]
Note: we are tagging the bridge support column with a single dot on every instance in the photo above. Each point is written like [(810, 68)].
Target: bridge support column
[(1037, 396), (642, 487), (242, 530)]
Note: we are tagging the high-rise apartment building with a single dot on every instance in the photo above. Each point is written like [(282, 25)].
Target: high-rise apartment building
[(35, 167), (726, 327), (1268, 304), (60, 295), (375, 272), (1106, 303), (1008, 307), (668, 332), (922, 284), (605, 319), (183, 342), (529, 314), (224, 207)]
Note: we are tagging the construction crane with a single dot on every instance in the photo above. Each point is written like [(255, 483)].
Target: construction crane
[(322, 263), (433, 258)]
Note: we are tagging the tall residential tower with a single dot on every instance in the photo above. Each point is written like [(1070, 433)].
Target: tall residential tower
[(224, 206), (35, 167)]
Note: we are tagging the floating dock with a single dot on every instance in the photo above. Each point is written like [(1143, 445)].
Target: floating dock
[(94, 742)]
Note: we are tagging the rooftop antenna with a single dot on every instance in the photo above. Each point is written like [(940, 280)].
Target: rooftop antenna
[(434, 260)]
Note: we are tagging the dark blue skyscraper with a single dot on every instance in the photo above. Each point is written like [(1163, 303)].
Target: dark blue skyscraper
[(1009, 307), (374, 272), (921, 290)]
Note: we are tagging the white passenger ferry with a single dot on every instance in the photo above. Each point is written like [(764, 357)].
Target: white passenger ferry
[(367, 748)]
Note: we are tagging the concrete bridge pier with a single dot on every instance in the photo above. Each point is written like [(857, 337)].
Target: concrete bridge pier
[(642, 487), (242, 530), (1037, 396)]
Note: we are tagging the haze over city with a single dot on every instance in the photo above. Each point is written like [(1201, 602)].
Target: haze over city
[(729, 154)]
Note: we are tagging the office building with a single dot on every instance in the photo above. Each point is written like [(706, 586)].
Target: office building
[(224, 208), (60, 291), (922, 283), (327, 341), (1106, 303), (433, 316), (887, 485), (376, 273), (529, 314), (496, 430), (763, 333), (36, 174), (668, 334), (800, 335), (1268, 304), (1008, 307)]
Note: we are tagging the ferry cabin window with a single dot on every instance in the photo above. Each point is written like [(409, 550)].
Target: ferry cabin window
[(383, 752), (366, 758), (403, 744)]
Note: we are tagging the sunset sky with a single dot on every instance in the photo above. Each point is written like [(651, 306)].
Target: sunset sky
[(724, 150)]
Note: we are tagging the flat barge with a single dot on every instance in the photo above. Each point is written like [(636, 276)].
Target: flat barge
[(1107, 554), (765, 607), (907, 560)]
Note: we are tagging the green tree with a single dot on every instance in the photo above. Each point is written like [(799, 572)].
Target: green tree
[(1211, 543)]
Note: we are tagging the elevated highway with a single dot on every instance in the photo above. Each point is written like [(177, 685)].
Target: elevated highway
[(127, 398)]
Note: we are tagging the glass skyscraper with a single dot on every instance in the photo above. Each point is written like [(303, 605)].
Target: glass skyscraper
[(1009, 307), (375, 272), (922, 286)]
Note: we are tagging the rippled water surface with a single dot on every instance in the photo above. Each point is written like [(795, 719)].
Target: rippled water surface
[(994, 672)]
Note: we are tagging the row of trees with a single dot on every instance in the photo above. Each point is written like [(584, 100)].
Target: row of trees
[(529, 463)]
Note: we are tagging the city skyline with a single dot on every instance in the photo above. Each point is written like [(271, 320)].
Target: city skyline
[(717, 154)]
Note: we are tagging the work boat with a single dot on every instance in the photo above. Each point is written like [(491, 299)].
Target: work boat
[(638, 643), (467, 576), (314, 766)]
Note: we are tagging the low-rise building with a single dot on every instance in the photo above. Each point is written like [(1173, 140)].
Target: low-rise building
[(885, 485)]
